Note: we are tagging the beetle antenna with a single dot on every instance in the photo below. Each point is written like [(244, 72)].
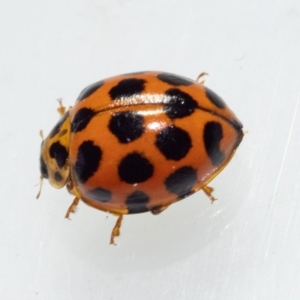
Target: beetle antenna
[(41, 134), (40, 189)]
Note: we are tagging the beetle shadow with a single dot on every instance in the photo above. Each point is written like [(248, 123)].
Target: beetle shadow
[(153, 242)]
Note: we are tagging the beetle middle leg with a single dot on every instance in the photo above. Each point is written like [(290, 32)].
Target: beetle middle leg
[(72, 207)]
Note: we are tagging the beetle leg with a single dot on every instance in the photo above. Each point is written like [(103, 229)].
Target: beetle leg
[(208, 191), (116, 230), (61, 109), (72, 207), (158, 209), (200, 76)]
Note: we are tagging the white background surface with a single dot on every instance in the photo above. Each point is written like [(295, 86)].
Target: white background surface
[(245, 245)]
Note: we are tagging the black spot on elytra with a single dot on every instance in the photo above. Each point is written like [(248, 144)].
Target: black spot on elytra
[(82, 118), (135, 168), (59, 153), (127, 88), (57, 176), (88, 161), (89, 90), (100, 194), (126, 126), (173, 142), (57, 127), (180, 104), (43, 168), (212, 137), (181, 181), (174, 79), (214, 98), (137, 202)]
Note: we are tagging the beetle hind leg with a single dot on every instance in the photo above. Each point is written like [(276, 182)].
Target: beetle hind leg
[(158, 209), (116, 230), (201, 78), (208, 191)]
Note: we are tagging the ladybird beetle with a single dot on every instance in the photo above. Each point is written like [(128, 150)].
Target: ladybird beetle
[(139, 142)]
